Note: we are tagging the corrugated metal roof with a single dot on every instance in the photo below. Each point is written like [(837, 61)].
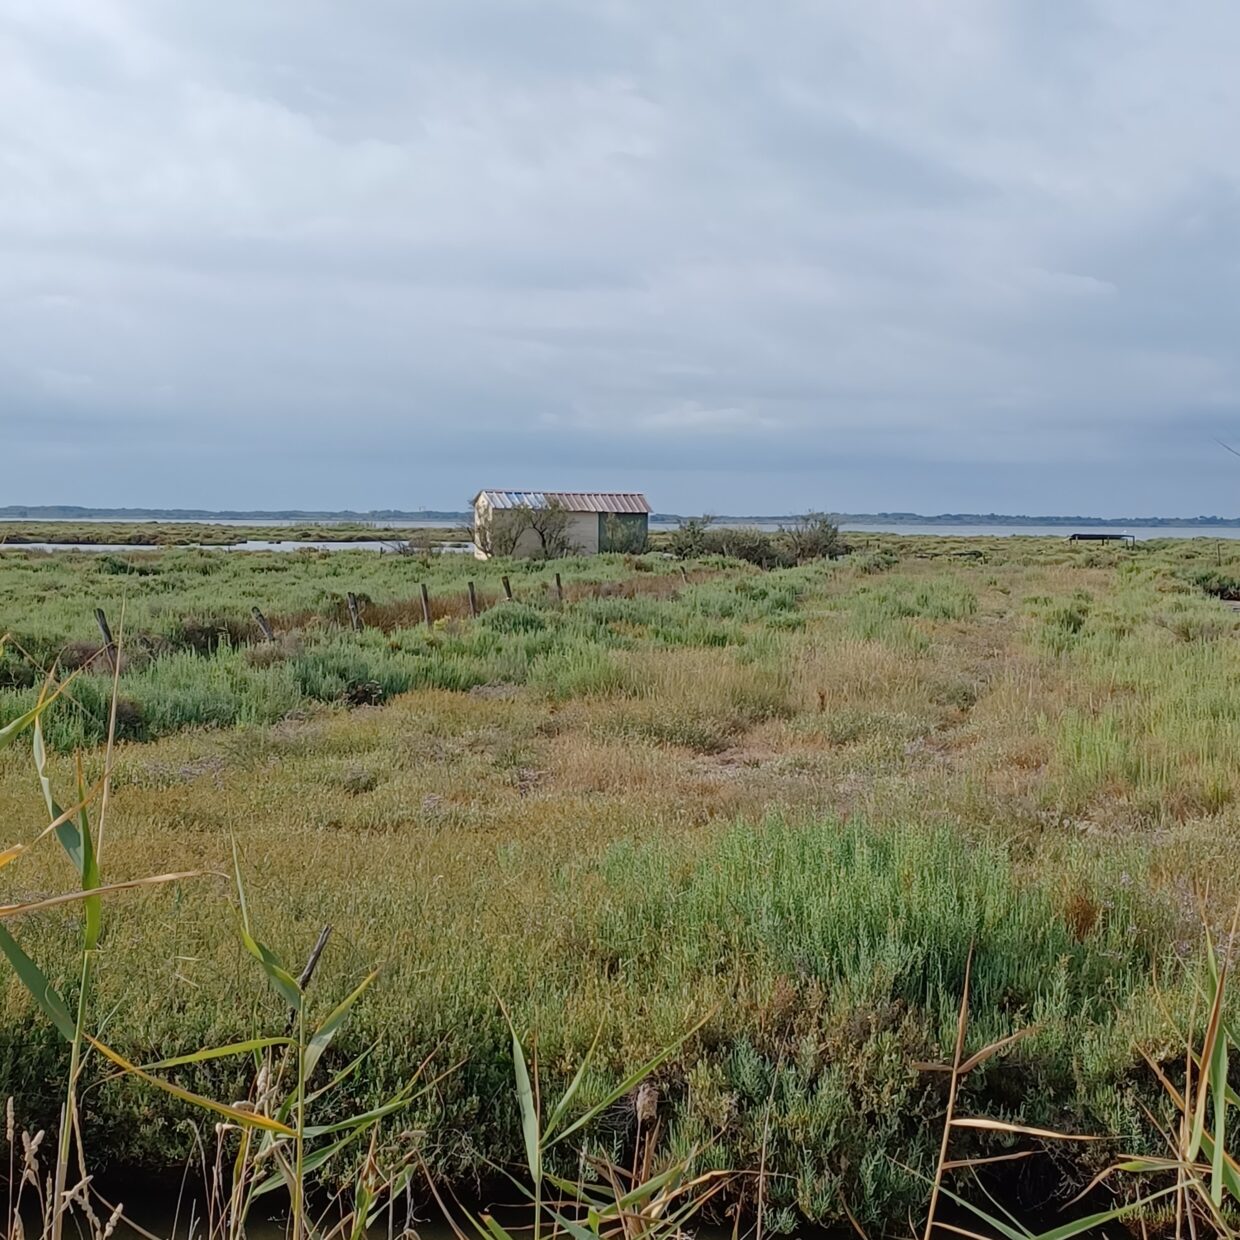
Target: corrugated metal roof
[(573, 501)]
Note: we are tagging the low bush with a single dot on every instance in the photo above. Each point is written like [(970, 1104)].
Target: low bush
[(1216, 583), (1062, 622), (875, 561), (811, 537), (513, 618), (688, 540), (814, 536), (750, 544)]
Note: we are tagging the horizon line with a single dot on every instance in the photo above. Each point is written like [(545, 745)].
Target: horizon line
[(68, 512)]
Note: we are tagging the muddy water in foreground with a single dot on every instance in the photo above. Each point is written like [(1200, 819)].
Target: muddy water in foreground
[(160, 1215)]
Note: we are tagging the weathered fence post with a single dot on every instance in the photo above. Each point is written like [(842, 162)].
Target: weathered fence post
[(261, 621), (507, 588), (109, 646), (473, 600), (426, 606), (355, 612), (559, 589)]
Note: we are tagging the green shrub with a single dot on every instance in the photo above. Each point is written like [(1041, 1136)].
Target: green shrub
[(814, 536), (750, 544), (875, 561), (1063, 622), (1216, 583), (688, 540), (513, 618)]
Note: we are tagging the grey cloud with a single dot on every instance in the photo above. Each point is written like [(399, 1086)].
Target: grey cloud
[(976, 256)]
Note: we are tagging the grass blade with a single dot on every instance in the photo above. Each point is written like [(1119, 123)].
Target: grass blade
[(10, 854), (361, 1120), (1217, 1076), (45, 994), (67, 832), (323, 1035), (343, 1075), (1078, 1226), (574, 1085), (998, 1125), (1207, 1050), (240, 1117), (1066, 1231), (91, 881), (283, 981), (215, 1052), (575, 1230), (994, 1048), (312, 1162), (631, 1081), (15, 727), (39, 750), (72, 897), (529, 1109), (1218, 1087)]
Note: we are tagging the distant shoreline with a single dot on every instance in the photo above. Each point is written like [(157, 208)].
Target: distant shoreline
[(54, 512)]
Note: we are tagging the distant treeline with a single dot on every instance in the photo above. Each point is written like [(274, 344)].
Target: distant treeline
[(999, 518), (71, 512)]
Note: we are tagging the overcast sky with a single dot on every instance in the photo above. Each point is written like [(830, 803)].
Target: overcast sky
[(932, 255)]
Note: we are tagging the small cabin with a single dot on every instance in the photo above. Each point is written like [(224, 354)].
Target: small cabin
[(551, 523)]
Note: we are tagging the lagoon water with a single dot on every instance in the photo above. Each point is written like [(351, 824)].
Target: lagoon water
[(1140, 533), (250, 545)]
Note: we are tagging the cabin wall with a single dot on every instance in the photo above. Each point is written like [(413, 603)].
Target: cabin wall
[(623, 531), (583, 533)]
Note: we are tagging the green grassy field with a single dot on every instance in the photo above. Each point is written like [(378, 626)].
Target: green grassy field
[(786, 801)]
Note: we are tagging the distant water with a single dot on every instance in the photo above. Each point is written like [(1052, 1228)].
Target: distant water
[(250, 545), (1141, 533), (247, 521), (443, 523)]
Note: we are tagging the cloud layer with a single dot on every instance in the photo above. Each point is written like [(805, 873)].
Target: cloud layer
[(979, 255)]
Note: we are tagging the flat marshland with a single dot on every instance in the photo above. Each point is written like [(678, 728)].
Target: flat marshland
[(787, 801)]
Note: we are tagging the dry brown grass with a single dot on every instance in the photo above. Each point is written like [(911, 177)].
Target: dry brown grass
[(390, 615)]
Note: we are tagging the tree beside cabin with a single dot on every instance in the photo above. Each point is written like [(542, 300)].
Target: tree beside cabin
[(549, 524)]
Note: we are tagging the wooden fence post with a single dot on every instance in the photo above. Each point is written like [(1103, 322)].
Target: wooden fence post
[(109, 646), (261, 621), (355, 612), (559, 589), (473, 600), (507, 588), (426, 606)]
